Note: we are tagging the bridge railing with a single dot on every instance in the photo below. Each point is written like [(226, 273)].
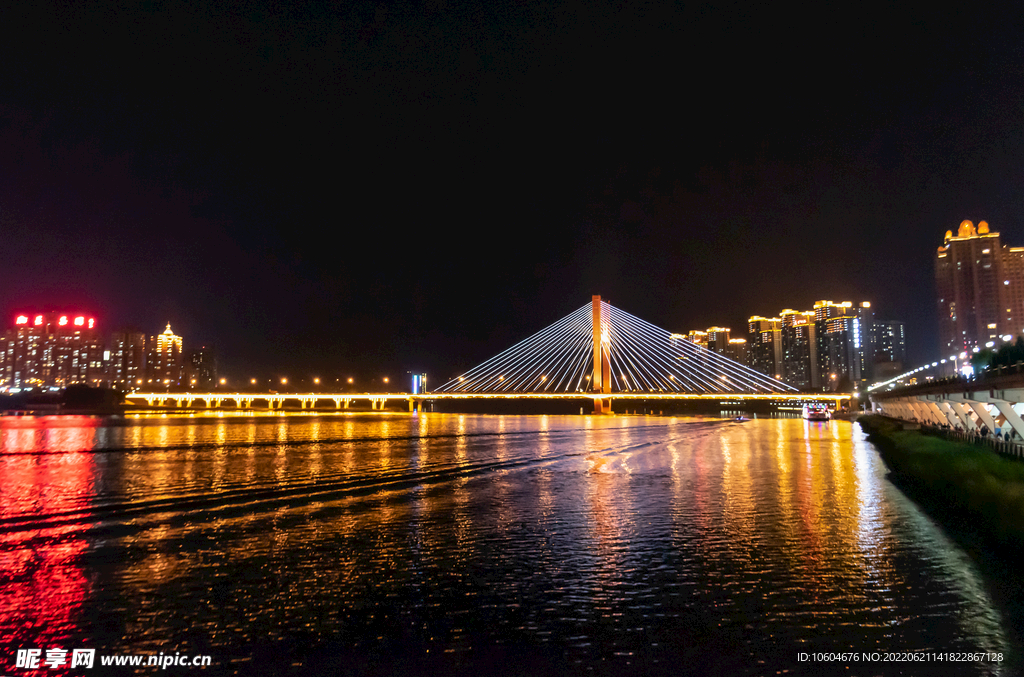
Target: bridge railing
[(994, 377), (1015, 368), (1007, 443)]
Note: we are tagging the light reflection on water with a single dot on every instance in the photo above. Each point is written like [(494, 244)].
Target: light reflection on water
[(472, 543)]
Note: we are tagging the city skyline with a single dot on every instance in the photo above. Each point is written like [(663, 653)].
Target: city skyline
[(357, 189)]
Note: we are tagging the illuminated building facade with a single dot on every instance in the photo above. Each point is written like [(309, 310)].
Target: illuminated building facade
[(822, 349), (52, 349), (980, 285), (799, 349), (890, 350), (127, 365), (840, 344), (164, 365), (737, 350), (864, 348), (764, 345), (699, 338), (718, 339)]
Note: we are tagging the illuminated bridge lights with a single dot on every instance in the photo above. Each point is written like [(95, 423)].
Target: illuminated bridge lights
[(194, 400)]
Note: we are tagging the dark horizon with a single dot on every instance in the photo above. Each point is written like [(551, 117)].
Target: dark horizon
[(386, 189)]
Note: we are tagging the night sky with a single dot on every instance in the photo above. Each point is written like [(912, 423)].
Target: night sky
[(332, 188)]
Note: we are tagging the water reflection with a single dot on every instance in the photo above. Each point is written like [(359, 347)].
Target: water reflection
[(44, 585), (601, 544)]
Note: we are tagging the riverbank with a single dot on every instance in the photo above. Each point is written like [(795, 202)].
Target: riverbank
[(971, 489)]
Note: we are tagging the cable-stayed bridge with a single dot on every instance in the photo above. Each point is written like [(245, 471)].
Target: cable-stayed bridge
[(597, 352), (600, 348), (604, 352)]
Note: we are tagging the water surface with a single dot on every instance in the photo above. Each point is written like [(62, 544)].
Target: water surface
[(445, 544)]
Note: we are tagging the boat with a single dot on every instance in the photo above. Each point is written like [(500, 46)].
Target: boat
[(816, 412)]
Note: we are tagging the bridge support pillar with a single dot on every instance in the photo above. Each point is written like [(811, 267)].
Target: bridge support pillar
[(1010, 415), (962, 414), (983, 414), (938, 416), (951, 416), (602, 406)]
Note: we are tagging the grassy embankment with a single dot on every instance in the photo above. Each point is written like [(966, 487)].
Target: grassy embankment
[(972, 488)]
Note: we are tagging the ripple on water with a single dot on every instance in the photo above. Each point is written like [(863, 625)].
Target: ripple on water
[(465, 542)]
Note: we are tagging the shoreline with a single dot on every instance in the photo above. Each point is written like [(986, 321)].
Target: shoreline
[(971, 489)]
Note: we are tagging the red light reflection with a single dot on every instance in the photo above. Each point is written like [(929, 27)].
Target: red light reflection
[(44, 584)]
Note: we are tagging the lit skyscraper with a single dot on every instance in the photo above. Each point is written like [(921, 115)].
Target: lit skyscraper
[(799, 349), (980, 285), (164, 360), (127, 368), (890, 350), (764, 345), (52, 349)]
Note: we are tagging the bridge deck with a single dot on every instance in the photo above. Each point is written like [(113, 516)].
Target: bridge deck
[(245, 400)]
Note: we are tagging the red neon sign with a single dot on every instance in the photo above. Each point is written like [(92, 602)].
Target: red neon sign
[(79, 321), (21, 320), (63, 320), (39, 320)]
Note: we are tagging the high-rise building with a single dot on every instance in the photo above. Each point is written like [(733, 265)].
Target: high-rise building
[(698, 338), (127, 367), (52, 349), (1013, 284), (201, 368), (164, 359), (718, 339), (737, 350), (799, 349), (890, 350), (864, 343), (764, 345), (980, 285), (839, 350), (826, 348)]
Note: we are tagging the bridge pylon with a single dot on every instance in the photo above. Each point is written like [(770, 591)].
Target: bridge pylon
[(602, 378)]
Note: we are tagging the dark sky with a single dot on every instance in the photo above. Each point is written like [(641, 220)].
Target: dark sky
[(375, 188)]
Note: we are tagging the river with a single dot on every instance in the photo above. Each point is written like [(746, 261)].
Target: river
[(435, 544)]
